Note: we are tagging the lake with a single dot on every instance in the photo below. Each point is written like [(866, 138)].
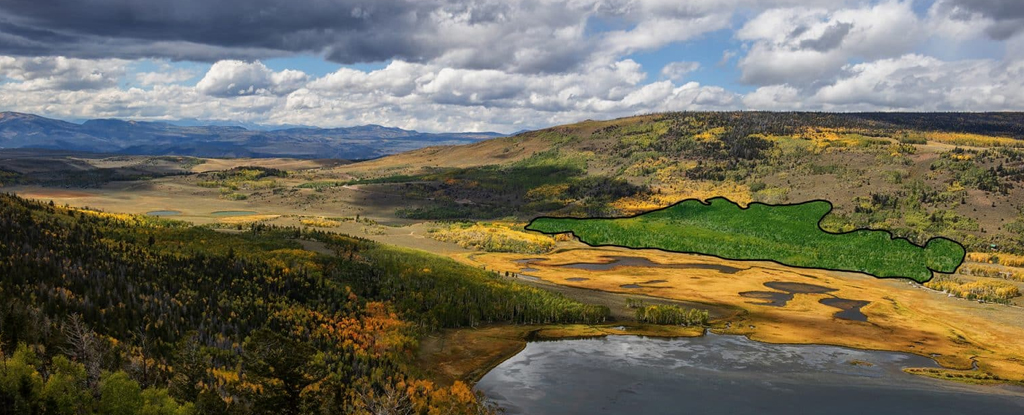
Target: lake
[(718, 374)]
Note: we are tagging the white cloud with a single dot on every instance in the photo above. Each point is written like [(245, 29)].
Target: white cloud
[(429, 97), (807, 45), (168, 76), (47, 73), (562, 61), (997, 19), (774, 98), (916, 82), (658, 32), (237, 78), (676, 71)]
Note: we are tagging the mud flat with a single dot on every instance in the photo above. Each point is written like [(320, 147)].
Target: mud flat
[(787, 290), (849, 309)]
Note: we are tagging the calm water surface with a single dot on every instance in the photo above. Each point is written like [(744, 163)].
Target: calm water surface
[(163, 213), (233, 213), (727, 375), (641, 262)]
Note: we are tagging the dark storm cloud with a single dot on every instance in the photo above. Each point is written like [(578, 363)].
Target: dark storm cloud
[(246, 25), (1007, 15), (344, 31)]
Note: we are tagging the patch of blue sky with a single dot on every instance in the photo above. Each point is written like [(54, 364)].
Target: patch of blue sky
[(982, 48), (317, 66), (707, 50), (136, 68)]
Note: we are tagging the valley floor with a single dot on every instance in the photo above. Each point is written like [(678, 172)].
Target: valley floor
[(900, 315)]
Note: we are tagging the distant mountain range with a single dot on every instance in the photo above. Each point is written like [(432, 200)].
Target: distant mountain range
[(160, 138)]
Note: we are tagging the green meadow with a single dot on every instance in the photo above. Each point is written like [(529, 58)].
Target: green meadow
[(787, 234)]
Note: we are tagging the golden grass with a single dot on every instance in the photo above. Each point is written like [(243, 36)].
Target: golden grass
[(1008, 260), (902, 317), (320, 222), (973, 140), (274, 163), (494, 237), (247, 219)]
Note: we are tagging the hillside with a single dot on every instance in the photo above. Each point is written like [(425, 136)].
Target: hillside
[(151, 316), (158, 138), (919, 175)]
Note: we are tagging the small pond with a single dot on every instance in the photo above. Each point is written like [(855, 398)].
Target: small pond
[(718, 374), (233, 213), (630, 261), (849, 309), (163, 213), (645, 284)]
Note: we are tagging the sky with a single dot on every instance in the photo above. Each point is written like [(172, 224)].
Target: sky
[(502, 65)]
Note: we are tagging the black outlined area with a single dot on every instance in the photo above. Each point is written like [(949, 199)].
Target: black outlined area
[(786, 234)]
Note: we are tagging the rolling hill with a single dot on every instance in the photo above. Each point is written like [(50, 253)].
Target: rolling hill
[(920, 175)]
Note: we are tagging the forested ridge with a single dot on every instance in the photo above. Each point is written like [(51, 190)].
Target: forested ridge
[(105, 313)]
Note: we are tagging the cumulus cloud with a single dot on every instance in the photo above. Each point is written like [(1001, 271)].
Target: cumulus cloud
[(916, 82), (513, 35), (232, 78), (774, 97), (1000, 19), (47, 73), (805, 45), (678, 70), (501, 65), (167, 76), (911, 82), (423, 96)]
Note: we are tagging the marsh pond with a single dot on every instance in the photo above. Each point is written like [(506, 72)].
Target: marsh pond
[(718, 374)]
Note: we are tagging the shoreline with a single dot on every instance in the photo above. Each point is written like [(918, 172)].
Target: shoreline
[(529, 334)]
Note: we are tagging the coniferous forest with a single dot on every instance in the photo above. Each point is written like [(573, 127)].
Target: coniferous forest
[(122, 314)]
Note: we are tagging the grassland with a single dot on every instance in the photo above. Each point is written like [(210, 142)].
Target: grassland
[(787, 234), (493, 237)]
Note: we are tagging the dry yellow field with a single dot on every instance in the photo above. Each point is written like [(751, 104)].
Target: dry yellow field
[(275, 163), (901, 316)]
